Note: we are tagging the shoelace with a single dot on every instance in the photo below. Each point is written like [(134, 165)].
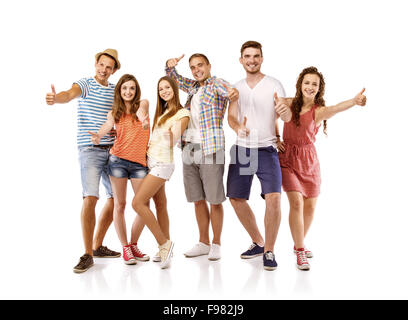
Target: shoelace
[(269, 256), (251, 246), (128, 252), (301, 256), (137, 250)]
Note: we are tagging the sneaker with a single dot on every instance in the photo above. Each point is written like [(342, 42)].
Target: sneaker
[(138, 254), (104, 252), (199, 249), (156, 257), (302, 262), (269, 261), (253, 251), (309, 254), (166, 253), (215, 252), (85, 262), (128, 255)]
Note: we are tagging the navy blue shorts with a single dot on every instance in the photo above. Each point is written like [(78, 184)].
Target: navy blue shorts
[(245, 162)]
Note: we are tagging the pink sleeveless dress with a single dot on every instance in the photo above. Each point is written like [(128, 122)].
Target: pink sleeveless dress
[(299, 163)]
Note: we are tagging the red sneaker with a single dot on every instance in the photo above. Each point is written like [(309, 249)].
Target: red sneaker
[(128, 255), (309, 254), (138, 254), (302, 262)]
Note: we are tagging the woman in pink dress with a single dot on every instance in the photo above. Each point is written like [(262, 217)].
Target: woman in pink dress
[(298, 157)]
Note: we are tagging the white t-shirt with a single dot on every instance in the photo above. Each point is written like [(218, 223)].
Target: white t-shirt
[(193, 131), (258, 106)]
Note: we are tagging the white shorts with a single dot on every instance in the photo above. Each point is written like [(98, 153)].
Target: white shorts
[(159, 169)]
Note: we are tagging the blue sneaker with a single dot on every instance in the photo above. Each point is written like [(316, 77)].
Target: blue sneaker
[(269, 261), (253, 251)]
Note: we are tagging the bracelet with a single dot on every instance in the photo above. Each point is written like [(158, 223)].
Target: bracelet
[(277, 136)]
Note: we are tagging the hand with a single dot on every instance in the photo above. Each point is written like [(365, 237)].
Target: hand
[(95, 138), (145, 123), (280, 145), (281, 108), (171, 63), (50, 97), (233, 94), (360, 99), (243, 131)]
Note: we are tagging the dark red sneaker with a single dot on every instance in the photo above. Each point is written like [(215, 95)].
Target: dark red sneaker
[(104, 252), (85, 262)]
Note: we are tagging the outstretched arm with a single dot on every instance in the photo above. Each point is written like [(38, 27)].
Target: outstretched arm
[(143, 113), (103, 130), (325, 113), (63, 96), (184, 84)]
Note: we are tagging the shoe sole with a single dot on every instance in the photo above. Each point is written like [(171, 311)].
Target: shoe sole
[(130, 262), (198, 255), (270, 268), (214, 259), (252, 256), (142, 259), (107, 256), (165, 264), (304, 268), (82, 270)]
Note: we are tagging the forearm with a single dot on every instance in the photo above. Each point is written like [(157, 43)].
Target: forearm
[(329, 112), (105, 128), (63, 97), (183, 83)]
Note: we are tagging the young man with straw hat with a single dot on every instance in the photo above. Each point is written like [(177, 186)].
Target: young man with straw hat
[(95, 101)]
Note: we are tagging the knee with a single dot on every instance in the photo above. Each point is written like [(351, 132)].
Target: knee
[(120, 206), (138, 204), (90, 201), (199, 204), (236, 202), (160, 203)]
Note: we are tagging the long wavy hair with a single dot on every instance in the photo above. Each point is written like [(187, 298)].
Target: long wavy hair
[(119, 107), (174, 104), (297, 102)]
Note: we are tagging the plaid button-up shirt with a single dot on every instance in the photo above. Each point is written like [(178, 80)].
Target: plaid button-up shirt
[(213, 102)]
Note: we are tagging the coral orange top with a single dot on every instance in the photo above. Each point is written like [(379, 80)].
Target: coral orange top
[(131, 140)]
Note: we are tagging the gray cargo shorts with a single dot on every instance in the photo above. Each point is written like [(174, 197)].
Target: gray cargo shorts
[(203, 175)]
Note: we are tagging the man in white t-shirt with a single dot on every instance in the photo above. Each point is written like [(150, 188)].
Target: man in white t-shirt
[(254, 119)]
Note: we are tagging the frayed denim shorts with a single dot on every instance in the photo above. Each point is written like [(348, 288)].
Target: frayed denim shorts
[(122, 168)]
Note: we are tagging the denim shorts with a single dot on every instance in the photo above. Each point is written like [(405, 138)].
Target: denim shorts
[(94, 166), (245, 162), (122, 168)]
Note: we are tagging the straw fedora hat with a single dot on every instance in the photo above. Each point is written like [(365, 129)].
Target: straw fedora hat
[(110, 52)]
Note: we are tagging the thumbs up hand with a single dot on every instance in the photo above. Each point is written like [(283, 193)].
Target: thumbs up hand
[(242, 130), (171, 63), (282, 109), (360, 99), (95, 138), (50, 97)]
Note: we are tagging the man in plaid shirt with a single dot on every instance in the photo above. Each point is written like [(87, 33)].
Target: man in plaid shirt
[(203, 148)]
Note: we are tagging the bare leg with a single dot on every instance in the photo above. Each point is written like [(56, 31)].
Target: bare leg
[(88, 222), (203, 220), (149, 187), (160, 202), (104, 222), (119, 186), (296, 218), (138, 224), (247, 219), (217, 218), (308, 212), (272, 219)]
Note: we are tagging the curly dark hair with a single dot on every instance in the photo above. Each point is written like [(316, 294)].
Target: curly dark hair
[(297, 102)]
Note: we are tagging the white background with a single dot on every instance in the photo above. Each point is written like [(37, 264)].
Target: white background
[(359, 233)]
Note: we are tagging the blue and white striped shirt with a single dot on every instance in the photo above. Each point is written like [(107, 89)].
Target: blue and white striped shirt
[(94, 104)]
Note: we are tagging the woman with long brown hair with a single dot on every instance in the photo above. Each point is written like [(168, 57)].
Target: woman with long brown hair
[(170, 121), (127, 160), (298, 158)]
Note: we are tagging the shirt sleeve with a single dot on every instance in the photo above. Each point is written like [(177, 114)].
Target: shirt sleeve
[(280, 90), (184, 84), (182, 113), (221, 87), (84, 86)]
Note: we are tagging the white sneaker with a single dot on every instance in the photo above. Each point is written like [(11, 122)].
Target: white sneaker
[(199, 249), (156, 257), (166, 252), (215, 252)]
